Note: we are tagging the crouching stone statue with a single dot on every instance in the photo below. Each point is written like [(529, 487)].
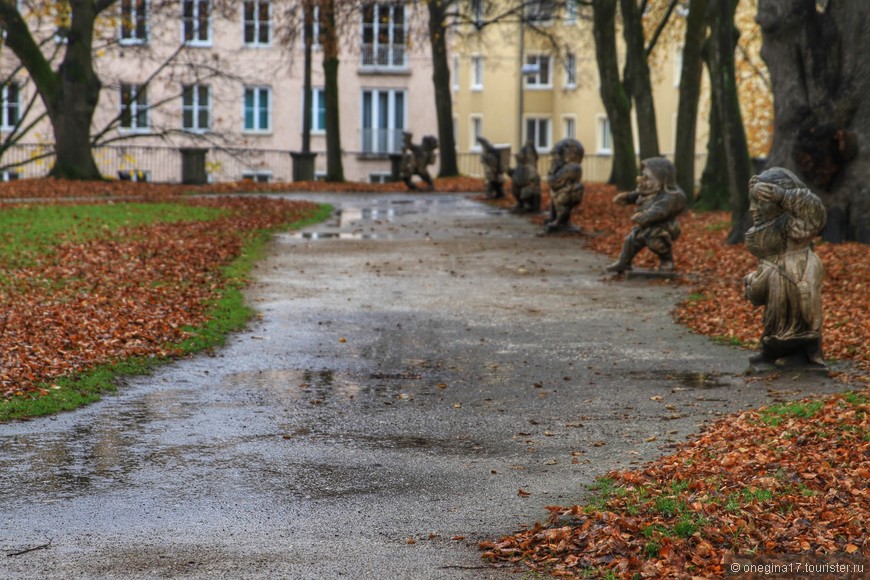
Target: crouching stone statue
[(659, 201), (526, 181), (786, 217), (566, 190), (417, 158)]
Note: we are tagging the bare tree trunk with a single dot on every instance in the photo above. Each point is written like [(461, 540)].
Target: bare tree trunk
[(441, 81), (637, 81), (70, 94), (307, 32), (334, 167), (724, 85), (816, 54), (690, 95), (616, 102)]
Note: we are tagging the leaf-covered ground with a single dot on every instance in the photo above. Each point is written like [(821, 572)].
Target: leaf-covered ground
[(790, 478), (123, 293)]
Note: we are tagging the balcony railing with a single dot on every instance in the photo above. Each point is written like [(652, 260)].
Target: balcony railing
[(383, 56)]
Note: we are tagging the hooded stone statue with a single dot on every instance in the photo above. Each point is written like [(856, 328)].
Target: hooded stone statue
[(786, 217)]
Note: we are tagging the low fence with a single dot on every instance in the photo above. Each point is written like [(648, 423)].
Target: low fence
[(165, 164)]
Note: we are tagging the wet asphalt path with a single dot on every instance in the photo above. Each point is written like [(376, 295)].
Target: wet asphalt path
[(418, 360)]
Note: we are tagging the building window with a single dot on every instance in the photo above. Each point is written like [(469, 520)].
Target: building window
[(540, 11), (134, 107), (383, 120), (11, 106), (477, 12), (318, 111), (315, 30), (603, 136), (538, 71), (571, 11), (570, 71), (476, 131), (569, 128), (257, 176), (383, 35), (258, 109), (538, 130), (196, 108), (476, 73), (258, 22), (196, 21), (134, 22)]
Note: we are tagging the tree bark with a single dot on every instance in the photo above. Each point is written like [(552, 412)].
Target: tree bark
[(308, 32), (816, 55), (441, 82), (616, 102), (334, 167), (637, 80), (723, 82), (690, 95), (70, 93)]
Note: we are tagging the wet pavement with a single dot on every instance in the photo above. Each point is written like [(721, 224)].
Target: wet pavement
[(425, 373)]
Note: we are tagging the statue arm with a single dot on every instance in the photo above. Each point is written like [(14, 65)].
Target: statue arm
[(659, 211)]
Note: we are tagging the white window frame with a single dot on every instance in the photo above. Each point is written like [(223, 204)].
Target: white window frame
[(477, 68), (569, 126), (135, 17), (477, 12), (603, 135), (196, 108), (570, 70), (391, 140), (258, 93), (475, 124), (7, 106), (542, 12), (395, 55), (257, 24), (318, 96), (195, 23), (542, 146), (533, 79), (571, 12), (136, 108)]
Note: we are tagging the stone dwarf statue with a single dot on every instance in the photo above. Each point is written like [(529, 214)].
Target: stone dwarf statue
[(493, 172), (566, 190), (786, 216), (659, 201), (417, 158), (525, 180)]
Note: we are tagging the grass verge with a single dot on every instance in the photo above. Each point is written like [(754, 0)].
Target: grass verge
[(226, 313)]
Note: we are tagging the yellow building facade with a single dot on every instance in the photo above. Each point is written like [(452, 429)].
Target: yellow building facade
[(511, 83)]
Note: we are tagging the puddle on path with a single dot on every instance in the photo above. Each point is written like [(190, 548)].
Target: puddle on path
[(687, 380)]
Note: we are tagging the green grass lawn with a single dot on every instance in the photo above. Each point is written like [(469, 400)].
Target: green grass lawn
[(32, 231)]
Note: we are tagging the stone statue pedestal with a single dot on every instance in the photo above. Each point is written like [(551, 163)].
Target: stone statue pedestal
[(789, 365)]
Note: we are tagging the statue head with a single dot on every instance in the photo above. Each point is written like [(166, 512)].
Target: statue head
[(656, 174), (763, 211), (567, 151)]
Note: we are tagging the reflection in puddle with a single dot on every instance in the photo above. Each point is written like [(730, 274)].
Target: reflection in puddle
[(689, 380), (330, 236)]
